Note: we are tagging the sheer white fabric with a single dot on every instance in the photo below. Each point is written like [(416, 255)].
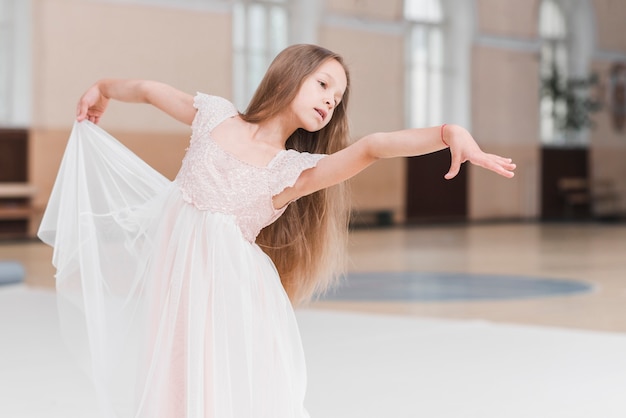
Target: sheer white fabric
[(163, 295)]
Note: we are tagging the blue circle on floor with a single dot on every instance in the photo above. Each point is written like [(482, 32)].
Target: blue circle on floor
[(441, 287), (11, 272)]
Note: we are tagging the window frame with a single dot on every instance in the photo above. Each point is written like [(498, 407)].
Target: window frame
[(424, 65), (554, 62), (16, 107), (253, 51)]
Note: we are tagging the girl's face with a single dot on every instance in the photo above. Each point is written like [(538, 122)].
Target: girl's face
[(319, 95)]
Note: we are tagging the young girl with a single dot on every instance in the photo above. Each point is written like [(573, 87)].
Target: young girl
[(173, 288)]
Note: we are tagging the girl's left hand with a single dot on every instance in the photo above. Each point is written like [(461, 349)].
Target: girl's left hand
[(91, 105), (464, 148)]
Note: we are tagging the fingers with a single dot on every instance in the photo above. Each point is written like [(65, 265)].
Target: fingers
[(500, 165), (455, 167), (91, 105), (81, 111), (505, 166), (84, 113), (452, 173)]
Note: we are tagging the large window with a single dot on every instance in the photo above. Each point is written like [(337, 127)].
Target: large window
[(260, 33), (15, 71), (6, 55), (180, 4), (554, 70), (424, 66)]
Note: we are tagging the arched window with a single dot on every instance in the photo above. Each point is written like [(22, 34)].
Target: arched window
[(260, 33), (553, 70), (6, 53), (424, 62)]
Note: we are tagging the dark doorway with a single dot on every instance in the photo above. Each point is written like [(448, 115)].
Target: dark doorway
[(430, 197), (565, 188)]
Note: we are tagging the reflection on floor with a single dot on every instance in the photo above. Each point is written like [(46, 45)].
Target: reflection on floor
[(410, 351), (588, 253), (434, 287)]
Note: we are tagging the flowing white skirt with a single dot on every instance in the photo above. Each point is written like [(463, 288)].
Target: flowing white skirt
[(171, 311)]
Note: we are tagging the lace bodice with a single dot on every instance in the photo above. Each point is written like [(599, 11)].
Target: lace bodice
[(215, 180)]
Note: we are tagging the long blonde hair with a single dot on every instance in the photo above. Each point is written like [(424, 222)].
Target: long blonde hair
[(307, 243)]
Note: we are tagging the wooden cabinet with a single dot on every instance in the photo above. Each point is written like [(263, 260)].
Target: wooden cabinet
[(16, 194), (16, 210)]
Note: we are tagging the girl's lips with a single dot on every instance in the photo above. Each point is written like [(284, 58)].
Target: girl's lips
[(321, 113)]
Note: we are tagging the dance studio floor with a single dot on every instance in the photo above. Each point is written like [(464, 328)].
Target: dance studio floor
[(506, 321)]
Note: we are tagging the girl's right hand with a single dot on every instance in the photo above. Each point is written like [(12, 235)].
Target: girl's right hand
[(91, 105), (464, 148)]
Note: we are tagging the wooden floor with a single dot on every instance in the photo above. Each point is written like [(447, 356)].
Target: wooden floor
[(591, 252), (594, 253), (399, 358)]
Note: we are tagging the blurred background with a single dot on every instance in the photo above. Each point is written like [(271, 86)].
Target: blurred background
[(541, 81), (505, 296)]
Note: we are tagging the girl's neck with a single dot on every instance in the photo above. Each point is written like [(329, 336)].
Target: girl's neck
[(274, 131)]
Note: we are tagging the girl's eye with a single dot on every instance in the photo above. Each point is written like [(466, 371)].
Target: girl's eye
[(323, 84)]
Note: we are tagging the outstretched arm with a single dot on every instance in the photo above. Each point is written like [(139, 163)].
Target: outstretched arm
[(174, 102), (348, 162), (463, 147)]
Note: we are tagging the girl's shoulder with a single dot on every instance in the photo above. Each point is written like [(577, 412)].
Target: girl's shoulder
[(212, 110), (287, 167)]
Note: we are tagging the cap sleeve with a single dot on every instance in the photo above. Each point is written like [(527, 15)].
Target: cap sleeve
[(212, 110), (288, 169)]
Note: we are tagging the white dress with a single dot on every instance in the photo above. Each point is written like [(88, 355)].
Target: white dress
[(163, 295)]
